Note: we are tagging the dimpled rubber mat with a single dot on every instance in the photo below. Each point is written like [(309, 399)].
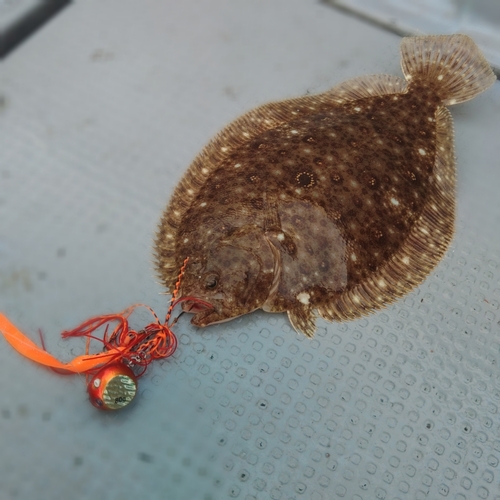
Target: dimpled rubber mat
[(101, 112)]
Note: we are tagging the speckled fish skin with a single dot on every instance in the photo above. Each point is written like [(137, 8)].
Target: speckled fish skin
[(336, 204)]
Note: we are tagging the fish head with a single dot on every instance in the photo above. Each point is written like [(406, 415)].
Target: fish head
[(234, 277)]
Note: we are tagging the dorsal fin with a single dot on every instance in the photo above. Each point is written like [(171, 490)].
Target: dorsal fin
[(362, 87)]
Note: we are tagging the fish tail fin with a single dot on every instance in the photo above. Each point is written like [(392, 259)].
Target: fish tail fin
[(452, 65)]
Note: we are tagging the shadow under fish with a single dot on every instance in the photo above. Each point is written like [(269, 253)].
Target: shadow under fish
[(336, 204)]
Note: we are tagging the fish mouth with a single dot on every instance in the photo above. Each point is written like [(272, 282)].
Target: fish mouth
[(204, 312), (205, 317), (194, 305)]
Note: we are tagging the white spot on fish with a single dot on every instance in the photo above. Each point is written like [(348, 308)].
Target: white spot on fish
[(303, 297), (423, 152), (394, 201)]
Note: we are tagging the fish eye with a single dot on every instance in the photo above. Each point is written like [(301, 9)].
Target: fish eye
[(211, 281)]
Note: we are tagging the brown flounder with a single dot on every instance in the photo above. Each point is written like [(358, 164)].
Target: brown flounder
[(337, 203)]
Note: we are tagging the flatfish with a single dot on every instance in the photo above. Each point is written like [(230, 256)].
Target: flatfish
[(334, 204)]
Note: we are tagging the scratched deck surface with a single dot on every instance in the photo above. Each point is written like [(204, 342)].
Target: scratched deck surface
[(100, 113)]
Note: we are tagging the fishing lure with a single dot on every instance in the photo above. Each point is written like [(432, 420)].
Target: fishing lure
[(126, 353)]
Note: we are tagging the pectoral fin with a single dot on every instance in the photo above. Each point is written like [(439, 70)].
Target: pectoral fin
[(303, 319)]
